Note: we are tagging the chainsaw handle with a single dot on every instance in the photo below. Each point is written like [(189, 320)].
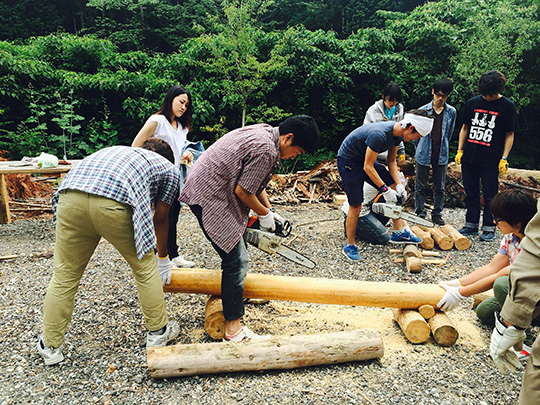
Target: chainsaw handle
[(283, 229)]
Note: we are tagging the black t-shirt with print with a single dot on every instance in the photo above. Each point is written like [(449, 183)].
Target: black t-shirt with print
[(488, 122)]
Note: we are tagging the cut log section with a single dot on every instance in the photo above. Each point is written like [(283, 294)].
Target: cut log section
[(214, 321), (315, 290), (339, 199), (444, 241), (443, 329), (412, 324), (414, 264), (410, 251), (280, 352), (427, 240), (478, 298), (427, 311), (460, 241)]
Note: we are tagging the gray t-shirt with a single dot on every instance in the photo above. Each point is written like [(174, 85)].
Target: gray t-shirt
[(378, 136)]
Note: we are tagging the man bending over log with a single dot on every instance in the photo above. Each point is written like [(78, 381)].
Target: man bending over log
[(357, 164), (226, 182), (110, 195)]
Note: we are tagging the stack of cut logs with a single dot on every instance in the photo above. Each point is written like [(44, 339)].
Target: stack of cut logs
[(417, 325)]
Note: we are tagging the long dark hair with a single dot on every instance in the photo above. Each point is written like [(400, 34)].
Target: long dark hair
[(166, 107)]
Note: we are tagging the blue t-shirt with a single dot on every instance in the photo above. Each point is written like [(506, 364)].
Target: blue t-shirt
[(378, 136)]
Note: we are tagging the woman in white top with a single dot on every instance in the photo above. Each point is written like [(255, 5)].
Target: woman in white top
[(172, 123)]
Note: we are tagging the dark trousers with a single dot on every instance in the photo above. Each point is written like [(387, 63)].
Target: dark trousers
[(174, 212), (234, 267), (421, 188), (472, 176)]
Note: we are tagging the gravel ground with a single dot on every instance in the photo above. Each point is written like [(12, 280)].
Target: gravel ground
[(105, 356)]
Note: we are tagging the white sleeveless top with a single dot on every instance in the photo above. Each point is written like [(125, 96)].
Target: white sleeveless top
[(175, 138)]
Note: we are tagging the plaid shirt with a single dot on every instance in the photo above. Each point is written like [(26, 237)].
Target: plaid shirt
[(133, 176), (248, 157), (510, 246)]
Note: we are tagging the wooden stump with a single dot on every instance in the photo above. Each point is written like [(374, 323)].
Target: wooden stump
[(279, 352), (460, 241), (444, 241), (414, 264), (410, 251), (427, 240), (412, 324), (443, 329), (427, 311), (214, 321)]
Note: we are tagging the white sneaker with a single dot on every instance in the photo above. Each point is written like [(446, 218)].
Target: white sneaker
[(172, 330), (180, 262), (50, 355), (524, 354), (245, 334)]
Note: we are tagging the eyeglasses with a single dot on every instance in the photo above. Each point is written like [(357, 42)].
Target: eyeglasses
[(497, 220)]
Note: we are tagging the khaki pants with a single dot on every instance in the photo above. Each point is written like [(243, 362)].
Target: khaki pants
[(530, 387), (82, 219)]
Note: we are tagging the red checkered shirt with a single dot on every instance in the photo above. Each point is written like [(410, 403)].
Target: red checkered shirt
[(247, 156)]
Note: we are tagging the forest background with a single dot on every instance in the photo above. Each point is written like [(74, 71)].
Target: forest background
[(80, 75)]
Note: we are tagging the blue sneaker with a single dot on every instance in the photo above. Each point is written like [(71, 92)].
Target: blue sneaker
[(466, 231), (487, 236), (351, 252), (404, 236)]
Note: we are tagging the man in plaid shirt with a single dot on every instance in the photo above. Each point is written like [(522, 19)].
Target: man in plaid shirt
[(226, 182), (110, 195)]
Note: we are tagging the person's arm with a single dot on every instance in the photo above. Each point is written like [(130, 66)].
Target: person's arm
[(263, 198), (251, 201), (498, 263), (392, 164), (161, 226), (462, 136), (371, 158), (144, 134), (508, 142), (483, 284)]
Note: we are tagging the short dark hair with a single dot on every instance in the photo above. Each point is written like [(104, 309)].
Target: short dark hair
[(491, 83), (160, 147), (393, 92), (305, 131), (444, 85), (513, 206), (422, 113), (166, 107)]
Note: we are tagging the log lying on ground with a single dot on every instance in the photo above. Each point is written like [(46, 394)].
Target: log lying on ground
[(460, 241), (214, 320), (444, 241), (414, 264), (410, 251), (480, 297), (427, 240), (412, 324), (427, 311), (280, 352), (443, 329), (316, 290)]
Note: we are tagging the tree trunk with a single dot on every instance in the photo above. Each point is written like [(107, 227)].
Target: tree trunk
[(412, 324), (279, 352), (316, 290), (444, 331), (460, 241)]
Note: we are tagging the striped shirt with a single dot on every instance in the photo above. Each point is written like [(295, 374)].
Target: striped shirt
[(248, 157), (133, 176)]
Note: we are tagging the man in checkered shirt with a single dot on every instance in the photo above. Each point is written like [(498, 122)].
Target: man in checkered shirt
[(110, 195), (226, 182)]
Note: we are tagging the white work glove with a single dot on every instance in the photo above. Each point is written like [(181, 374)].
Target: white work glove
[(401, 192), (267, 221), (277, 217), (164, 267), (502, 339), (451, 297), (454, 283), (390, 196)]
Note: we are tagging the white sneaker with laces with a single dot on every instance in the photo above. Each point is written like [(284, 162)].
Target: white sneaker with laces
[(50, 355), (172, 329), (180, 262), (524, 354), (245, 334)]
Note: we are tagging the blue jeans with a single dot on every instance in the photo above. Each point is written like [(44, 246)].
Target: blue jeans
[(472, 176), (421, 187), (371, 228), (234, 267)]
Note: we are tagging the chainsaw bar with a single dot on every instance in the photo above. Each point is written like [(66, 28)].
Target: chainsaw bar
[(394, 211)]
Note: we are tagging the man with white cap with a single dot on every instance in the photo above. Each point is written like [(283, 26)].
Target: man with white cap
[(357, 164)]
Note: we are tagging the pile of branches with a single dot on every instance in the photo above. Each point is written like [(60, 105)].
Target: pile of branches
[(317, 185)]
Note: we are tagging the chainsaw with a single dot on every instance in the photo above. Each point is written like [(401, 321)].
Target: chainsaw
[(396, 211), (271, 242)]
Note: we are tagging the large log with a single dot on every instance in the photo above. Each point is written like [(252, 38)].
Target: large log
[(480, 297), (412, 324), (316, 290), (427, 240), (443, 329), (444, 241), (280, 352), (214, 320), (460, 241)]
